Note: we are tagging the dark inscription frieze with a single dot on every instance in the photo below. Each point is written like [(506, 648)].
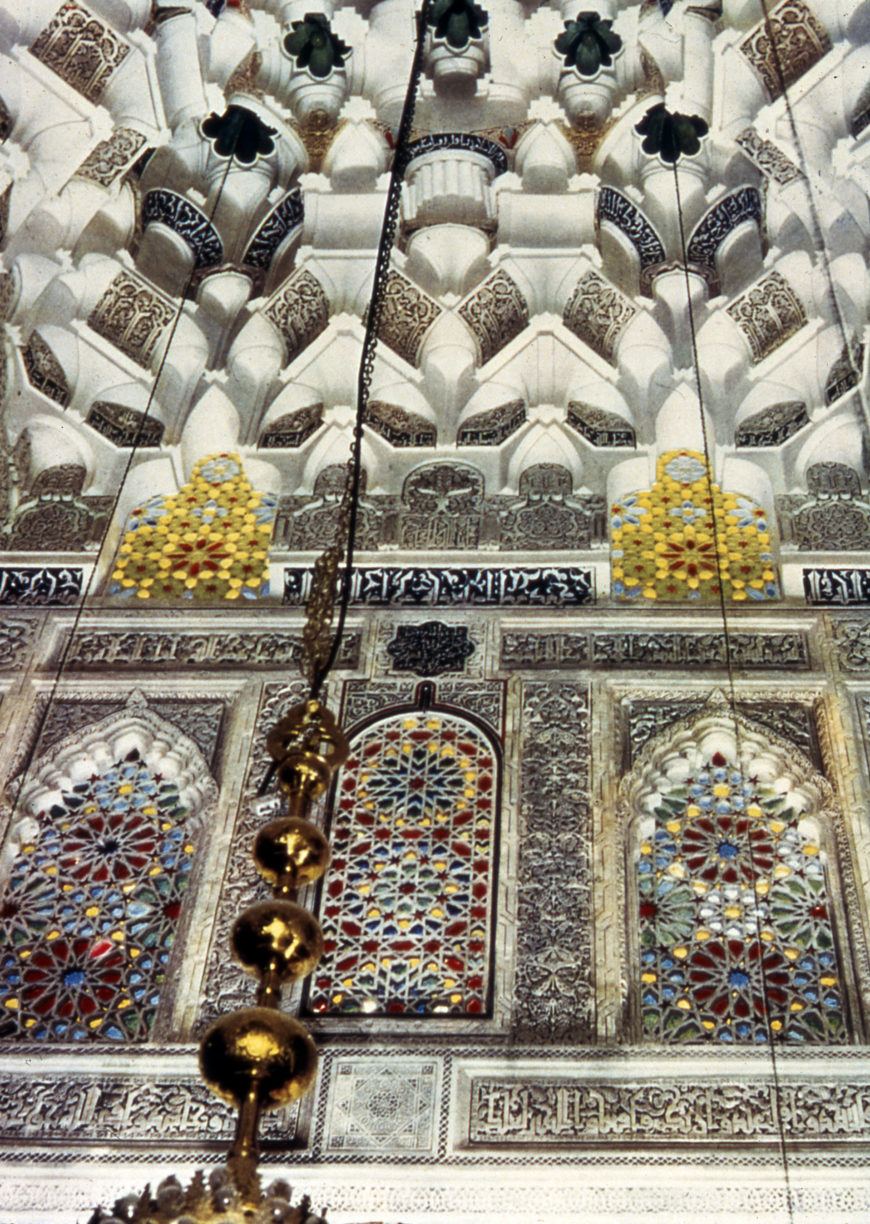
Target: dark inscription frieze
[(546, 1112), (404, 585), (173, 650), (97, 1109), (40, 585), (837, 586), (665, 649)]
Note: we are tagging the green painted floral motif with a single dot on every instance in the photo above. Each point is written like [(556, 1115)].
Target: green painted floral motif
[(670, 134), (459, 21), (314, 46), (239, 133), (588, 43)]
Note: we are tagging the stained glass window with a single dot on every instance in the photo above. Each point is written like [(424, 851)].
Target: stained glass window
[(686, 539), (736, 937), (407, 903), (210, 540), (91, 908)]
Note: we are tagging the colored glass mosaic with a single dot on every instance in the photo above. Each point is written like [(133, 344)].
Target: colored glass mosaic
[(208, 541), (686, 539), (88, 918), (406, 907), (736, 940)]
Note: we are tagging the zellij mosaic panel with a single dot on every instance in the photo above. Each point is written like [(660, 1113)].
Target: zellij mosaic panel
[(686, 539), (406, 907), (91, 908), (208, 541), (736, 938)]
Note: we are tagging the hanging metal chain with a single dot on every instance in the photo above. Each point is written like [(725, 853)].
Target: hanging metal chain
[(320, 645)]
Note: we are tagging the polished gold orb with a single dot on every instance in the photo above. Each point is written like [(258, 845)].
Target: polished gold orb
[(278, 938), (259, 1051), (291, 851), (306, 771)]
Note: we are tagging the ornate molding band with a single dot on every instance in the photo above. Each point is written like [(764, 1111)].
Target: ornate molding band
[(173, 650), (650, 649), (545, 1112), (459, 140), (113, 1108)]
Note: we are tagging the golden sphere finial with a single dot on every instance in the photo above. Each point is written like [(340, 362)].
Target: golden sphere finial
[(259, 1052), (291, 852), (277, 939)]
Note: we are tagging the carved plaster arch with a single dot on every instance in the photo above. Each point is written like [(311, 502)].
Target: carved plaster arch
[(97, 747)]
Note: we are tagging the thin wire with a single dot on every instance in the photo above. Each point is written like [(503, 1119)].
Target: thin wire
[(729, 663), (110, 519), (369, 348)]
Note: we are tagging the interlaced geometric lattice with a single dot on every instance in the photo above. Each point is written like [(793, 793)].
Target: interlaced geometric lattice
[(686, 539), (406, 910), (736, 940), (90, 911), (209, 540)]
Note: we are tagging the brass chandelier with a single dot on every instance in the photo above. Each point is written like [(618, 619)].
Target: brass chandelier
[(259, 1058)]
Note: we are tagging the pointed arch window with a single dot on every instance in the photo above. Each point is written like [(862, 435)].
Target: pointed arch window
[(99, 872), (735, 920), (407, 907)]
